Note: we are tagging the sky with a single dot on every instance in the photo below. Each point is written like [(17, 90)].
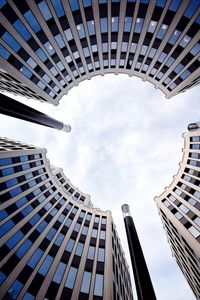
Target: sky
[(125, 147)]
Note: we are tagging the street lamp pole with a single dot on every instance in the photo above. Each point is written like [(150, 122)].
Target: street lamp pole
[(142, 278), (13, 108)]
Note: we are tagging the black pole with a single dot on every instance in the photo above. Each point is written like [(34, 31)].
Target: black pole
[(142, 278), (16, 109)]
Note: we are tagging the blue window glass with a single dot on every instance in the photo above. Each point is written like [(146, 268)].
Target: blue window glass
[(68, 34), (91, 252), (42, 226), (71, 278), (15, 192), (28, 296), (27, 210), (46, 265), (94, 233), (98, 288), (32, 183), (21, 202), (14, 239), (86, 282), (5, 54), (115, 24), (21, 251), (43, 7), (138, 25), (162, 31), (41, 85), (37, 192), (53, 71), (23, 158), (58, 8), (87, 3), (79, 249), (74, 210), (81, 31), (101, 254), (102, 1), (34, 219), (51, 234), (91, 27), (102, 234), (160, 3), (3, 214), (59, 272), (74, 4), (2, 277), (15, 289), (28, 175), (35, 258), (127, 24), (61, 67), (19, 26), (41, 54), (104, 25), (174, 5), (31, 63), (11, 41), (32, 21), (60, 41), (174, 37), (170, 61), (59, 239), (77, 227), (70, 245), (26, 72), (152, 26), (191, 9), (162, 57), (183, 43), (6, 227), (195, 49), (85, 230), (197, 20), (185, 74), (2, 3), (9, 171), (178, 68), (5, 161)]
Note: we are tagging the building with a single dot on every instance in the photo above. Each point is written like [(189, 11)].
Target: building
[(179, 208), (49, 46), (54, 244)]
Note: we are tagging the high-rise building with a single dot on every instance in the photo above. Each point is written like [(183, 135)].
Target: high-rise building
[(179, 208), (49, 46), (53, 243)]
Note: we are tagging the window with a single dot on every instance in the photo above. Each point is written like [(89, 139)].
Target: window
[(81, 31), (174, 37), (41, 54), (79, 249), (6, 227), (102, 234), (115, 24), (194, 231), (91, 252), (94, 233), (84, 230), (152, 26), (15, 289), (185, 41), (86, 282), (26, 72), (104, 25), (101, 254), (3, 52), (45, 10), (32, 21), (49, 48), (35, 258), (138, 25), (162, 31), (11, 41), (19, 26), (68, 34), (59, 41), (91, 28), (98, 288), (70, 245), (59, 272), (59, 239), (71, 278), (58, 8), (46, 265), (74, 5), (77, 227), (5, 161)]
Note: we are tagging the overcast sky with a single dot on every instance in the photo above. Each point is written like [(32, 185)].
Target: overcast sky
[(125, 146)]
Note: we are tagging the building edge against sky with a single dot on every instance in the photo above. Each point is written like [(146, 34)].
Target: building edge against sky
[(179, 209), (47, 47), (51, 234)]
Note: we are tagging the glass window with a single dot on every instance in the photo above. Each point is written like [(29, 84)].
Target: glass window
[(21, 251), (174, 37), (59, 272), (94, 233), (53, 71), (98, 288), (152, 52), (60, 41), (191, 9), (6, 227), (174, 5), (127, 24), (195, 49), (15, 192), (3, 214), (194, 231), (46, 78), (11, 41), (19, 26), (3, 52), (68, 34), (60, 65), (96, 219), (185, 41), (81, 31), (115, 24), (170, 61), (86, 282), (162, 57), (68, 222), (70, 245), (185, 74), (79, 249), (42, 226), (35, 258), (133, 47), (46, 265), (138, 25), (9, 171), (28, 296), (49, 48), (58, 8), (101, 254), (102, 234), (15, 289), (59, 239), (5, 161), (87, 3), (143, 50), (197, 220), (74, 5), (2, 277), (178, 68), (91, 252), (152, 26), (85, 230), (91, 27), (104, 25), (77, 227), (51, 234), (27, 73), (71, 278), (41, 54), (34, 219), (162, 31), (43, 7), (32, 21)]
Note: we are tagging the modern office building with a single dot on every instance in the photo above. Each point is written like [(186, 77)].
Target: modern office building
[(53, 243), (179, 208), (49, 46)]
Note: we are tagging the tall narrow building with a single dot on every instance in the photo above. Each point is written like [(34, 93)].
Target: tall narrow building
[(49, 46), (179, 208), (53, 243)]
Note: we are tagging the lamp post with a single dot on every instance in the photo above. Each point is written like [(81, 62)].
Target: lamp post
[(13, 108), (142, 278)]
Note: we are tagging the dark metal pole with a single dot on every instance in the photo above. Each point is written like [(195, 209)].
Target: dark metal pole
[(15, 109), (142, 278)]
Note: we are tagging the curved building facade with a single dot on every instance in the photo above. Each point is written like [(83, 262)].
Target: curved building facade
[(179, 208), (53, 243), (49, 46)]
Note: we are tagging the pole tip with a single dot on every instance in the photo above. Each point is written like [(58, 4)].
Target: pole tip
[(66, 128), (126, 210)]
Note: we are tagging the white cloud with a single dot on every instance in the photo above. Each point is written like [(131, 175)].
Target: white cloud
[(125, 146)]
